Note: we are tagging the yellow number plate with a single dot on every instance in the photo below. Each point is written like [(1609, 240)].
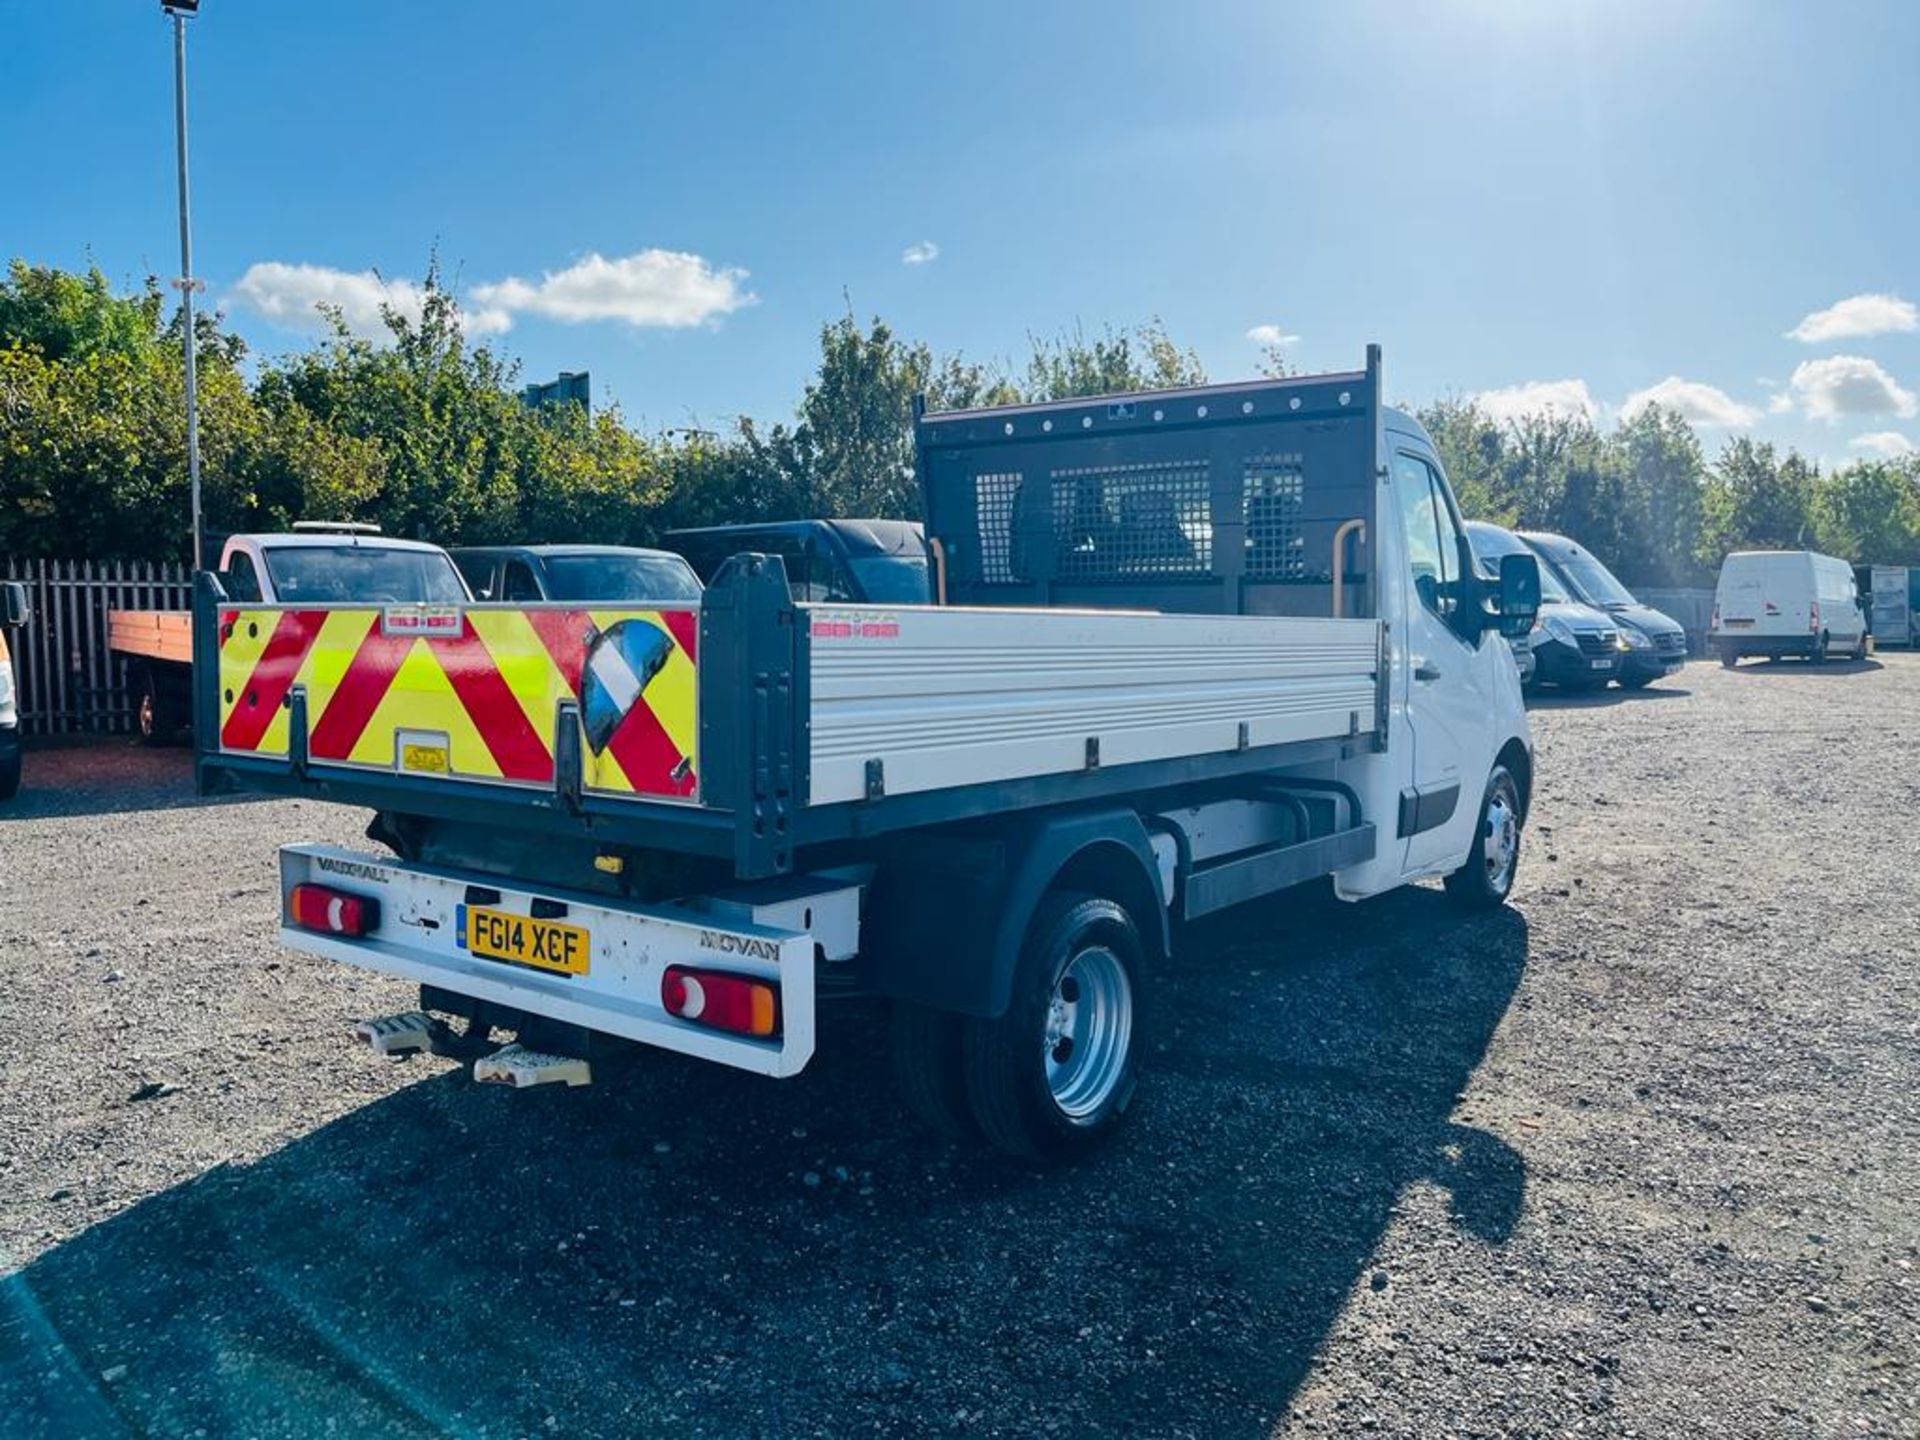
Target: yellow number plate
[(545, 944), (424, 759)]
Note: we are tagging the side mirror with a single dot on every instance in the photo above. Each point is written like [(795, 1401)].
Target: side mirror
[(1518, 601), (18, 610)]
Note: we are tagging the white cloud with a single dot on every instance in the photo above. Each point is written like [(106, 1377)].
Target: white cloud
[(1538, 397), (1840, 385), (291, 296), (925, 253), (1888, 444), (1271, 335), (1856, 316), (1692, 400), (650, 288)]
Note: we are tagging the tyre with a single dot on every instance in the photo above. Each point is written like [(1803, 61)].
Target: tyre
[(1819, 654), (1052, 1076), (1635, 682), (927, 1069), (9, 774), (1485, 881), (1729, 657), (151, 716), (1859, 652)]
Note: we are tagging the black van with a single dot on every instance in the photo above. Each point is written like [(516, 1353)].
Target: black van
[(862, 562), (1656, 645)]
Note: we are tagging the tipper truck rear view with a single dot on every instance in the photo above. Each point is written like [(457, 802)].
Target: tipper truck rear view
[(1198, 646)]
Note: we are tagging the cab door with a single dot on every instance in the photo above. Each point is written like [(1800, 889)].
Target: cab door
[(1446, 671)]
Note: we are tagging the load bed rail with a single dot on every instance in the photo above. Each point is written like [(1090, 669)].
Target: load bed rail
[(750, 727)]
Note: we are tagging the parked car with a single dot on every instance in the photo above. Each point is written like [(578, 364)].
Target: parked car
[(316, 563), (595, 573), (1489, 543), (1786, 602), (1654, 644), (865, 562), (1572, 645), (14, 612)]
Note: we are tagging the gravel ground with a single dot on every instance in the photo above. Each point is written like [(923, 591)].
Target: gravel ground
[(1637, 1156)]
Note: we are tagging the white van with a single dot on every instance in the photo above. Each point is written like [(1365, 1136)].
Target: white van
[(1786, 602)]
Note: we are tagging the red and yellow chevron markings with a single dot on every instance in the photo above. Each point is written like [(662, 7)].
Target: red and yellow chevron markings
[(490, 689)]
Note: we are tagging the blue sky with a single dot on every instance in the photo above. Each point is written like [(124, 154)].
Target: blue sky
[(1597, 198)]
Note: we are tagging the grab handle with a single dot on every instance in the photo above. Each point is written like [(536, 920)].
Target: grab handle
[(1347, 527)]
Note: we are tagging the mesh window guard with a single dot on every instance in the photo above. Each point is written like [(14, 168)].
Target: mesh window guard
[(995, 499), (1274, 487), (1121, 521)]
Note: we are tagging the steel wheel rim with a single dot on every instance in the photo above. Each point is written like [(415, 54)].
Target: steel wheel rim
[(1088, 1031), (146, 714), (1502, 835)]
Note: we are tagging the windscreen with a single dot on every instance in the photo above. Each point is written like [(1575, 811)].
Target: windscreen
[(363, 574), (1489, 546), (598, 578), (892, 579), (1593, 582)]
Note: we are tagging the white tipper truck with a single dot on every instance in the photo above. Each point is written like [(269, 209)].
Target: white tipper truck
[(316, 560), (1189, 648)]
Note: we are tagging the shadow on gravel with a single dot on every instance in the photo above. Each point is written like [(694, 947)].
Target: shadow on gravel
[(107, 776), (1558, 699), (693, 1251), (1830, 667)]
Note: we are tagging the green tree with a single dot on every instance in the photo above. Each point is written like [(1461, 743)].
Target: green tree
[(68, 317), (1664, 471), (1110, 363), (1473, 452), (1869, 512), (1755, 500)]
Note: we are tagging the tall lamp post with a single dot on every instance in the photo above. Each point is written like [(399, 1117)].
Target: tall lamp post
[(181, 11)]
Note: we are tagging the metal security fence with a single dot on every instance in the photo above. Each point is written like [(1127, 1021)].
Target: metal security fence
[(70, 682)]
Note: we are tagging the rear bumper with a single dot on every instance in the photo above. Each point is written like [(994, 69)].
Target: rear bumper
[(1732, 642), (420, 937)]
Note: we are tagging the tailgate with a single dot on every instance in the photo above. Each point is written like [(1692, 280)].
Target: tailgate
[(471, 692)]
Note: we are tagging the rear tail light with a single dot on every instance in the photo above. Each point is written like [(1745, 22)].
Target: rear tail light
[(1813, 617), (332, 912), (726, 1002), (1714, 623)]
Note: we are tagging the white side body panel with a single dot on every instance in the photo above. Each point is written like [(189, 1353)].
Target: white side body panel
[(945, 697)]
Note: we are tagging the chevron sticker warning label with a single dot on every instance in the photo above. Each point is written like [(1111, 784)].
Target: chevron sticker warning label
[(484, 681)]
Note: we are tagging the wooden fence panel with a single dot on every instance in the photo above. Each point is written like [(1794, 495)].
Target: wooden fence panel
[(70, 680)]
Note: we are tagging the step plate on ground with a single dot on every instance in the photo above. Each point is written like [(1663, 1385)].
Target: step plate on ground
[(520, 1067), (397, 1034)]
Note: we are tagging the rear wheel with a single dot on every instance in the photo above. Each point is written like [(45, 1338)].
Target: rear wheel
[(9, 774), (153, 717), (1053, 1075), (1486, 880), (1729, 657), (1819, 655)]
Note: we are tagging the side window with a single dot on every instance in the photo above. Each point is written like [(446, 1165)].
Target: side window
[(825, 579), (478, 573), (518, 587), (1433, 536), (242, 581)]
